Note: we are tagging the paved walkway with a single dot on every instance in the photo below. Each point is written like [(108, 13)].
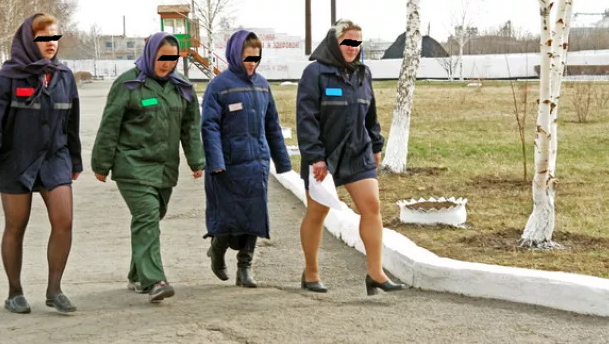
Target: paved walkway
[(207, 310)]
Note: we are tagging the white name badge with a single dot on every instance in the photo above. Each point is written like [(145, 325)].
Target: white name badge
[(235, 107)]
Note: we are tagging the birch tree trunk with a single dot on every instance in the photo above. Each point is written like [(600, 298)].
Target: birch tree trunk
[(553, 40), (396, 153), (461, 47), (560, 47), (210, 39)]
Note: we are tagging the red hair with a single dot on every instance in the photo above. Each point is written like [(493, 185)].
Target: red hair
[(41, 22)]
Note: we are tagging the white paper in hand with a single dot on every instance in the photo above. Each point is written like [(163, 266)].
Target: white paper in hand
[(324, 192)]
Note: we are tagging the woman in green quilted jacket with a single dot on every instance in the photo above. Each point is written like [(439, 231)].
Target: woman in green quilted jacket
[(150, 109)]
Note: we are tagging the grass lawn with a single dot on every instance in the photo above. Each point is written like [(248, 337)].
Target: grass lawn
[(464, 142)]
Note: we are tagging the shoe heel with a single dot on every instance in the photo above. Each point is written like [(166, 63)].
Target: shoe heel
[(238, 281), (371, 290)]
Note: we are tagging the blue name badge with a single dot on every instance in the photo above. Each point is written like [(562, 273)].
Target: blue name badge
[(334, 92)]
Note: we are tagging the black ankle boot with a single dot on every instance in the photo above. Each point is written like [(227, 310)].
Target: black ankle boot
[(244, 278), (216, 252), (372, 286)]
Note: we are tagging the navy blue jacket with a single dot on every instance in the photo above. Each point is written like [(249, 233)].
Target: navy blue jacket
[(40, 137), (337, 121), (241, 133)]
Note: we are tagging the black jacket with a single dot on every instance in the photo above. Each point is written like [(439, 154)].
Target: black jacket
[(41, 136), (337, 121)]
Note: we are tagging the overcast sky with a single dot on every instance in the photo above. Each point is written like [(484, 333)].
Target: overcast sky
[(379, 18)]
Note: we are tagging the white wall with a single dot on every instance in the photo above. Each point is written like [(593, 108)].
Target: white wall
[(474, 66)]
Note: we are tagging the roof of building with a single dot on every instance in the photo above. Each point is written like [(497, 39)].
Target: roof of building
[(173, 9)]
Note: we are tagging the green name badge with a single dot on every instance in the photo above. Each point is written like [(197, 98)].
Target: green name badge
[(150, 102)]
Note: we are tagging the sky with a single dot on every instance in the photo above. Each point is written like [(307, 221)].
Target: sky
[(384, 19)]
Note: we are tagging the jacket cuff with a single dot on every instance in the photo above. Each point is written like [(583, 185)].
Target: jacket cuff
[(377, 148), (283, 168)]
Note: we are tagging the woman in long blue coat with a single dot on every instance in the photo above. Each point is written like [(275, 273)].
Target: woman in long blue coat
[(241, 133), (39, 152)]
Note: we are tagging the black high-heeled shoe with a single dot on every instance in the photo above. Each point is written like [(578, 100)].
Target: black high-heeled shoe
[(317, 287), (372, 286)]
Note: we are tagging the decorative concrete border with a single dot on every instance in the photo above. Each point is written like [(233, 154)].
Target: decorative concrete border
[(423, 269)]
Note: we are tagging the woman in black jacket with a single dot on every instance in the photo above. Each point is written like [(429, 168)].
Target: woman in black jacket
[(39, 152), (338, 131)]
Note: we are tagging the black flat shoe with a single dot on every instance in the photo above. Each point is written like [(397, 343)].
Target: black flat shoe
[(372, 286), (17, 304), (61, 303), (317, 287)]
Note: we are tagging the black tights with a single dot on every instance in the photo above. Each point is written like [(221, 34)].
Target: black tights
[(17, 208)]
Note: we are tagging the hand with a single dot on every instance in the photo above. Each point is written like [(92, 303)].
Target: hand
[(377, 157), (197, 174), (75, 175), (320, 170), (100, 177)]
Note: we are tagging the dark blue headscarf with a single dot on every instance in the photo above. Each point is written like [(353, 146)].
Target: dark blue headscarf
[(145, 63), (234, 53), (26, 59)]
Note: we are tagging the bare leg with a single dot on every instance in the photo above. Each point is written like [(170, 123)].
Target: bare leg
[(59, 207), (365, 195), (311, 231), (16, 217)]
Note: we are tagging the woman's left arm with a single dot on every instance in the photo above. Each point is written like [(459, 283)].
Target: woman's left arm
[(372, 124), (274, 137), (191, 135), (74, 145)]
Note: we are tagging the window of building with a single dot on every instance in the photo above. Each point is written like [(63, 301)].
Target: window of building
[(168, 25), (174, 26), (108, 44), (130, 44)]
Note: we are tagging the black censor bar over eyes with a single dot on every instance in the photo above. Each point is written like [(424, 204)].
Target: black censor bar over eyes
[(169, 57), (252, 59), (47, 38), (350, 43)]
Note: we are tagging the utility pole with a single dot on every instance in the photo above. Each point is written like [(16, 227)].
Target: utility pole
[(307, 27), (333, 12), (190, 25)]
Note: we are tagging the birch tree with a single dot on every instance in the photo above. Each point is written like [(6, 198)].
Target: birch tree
[(208, 13), (462, 26), (554, 40), (397, 145)]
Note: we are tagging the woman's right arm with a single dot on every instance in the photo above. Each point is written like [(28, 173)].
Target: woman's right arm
[(104, 148), (211, 130), (5, 101), (308, 131)]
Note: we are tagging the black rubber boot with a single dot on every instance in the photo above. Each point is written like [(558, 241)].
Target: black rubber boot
[(216, 252), (244, 264)]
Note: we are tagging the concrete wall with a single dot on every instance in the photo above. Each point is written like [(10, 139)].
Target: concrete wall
[(474, 67)]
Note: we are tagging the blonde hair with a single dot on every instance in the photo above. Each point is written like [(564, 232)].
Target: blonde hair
[(344, 25)]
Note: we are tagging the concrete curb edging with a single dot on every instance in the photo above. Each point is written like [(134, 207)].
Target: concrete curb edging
[(423, 269)]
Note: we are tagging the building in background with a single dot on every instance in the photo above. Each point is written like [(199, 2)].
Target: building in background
[(113, 47)]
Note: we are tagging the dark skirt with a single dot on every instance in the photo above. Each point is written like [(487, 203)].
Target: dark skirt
[(18, 188), (345, 180)]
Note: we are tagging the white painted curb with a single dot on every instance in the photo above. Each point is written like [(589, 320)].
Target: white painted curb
[(423, 269)]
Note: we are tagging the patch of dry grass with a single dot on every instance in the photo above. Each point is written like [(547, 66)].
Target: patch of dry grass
[(464, 143)]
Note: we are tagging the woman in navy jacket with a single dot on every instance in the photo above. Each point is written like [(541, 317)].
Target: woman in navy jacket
[(241, 133), (39, 152), (338, 131)]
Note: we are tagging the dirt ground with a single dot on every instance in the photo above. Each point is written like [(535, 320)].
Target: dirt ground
[(207, 310)]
